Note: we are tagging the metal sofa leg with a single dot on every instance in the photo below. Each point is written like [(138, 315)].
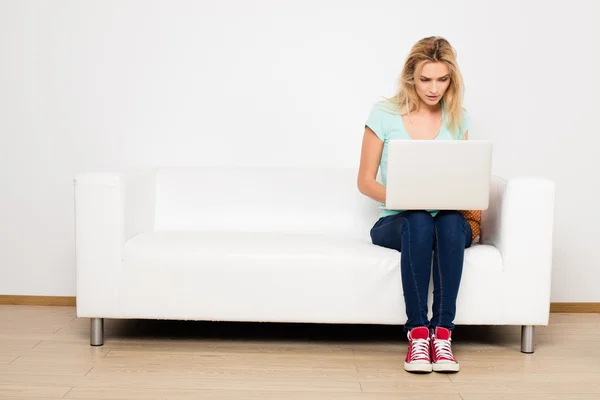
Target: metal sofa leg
[(527, 339), (97, 331)]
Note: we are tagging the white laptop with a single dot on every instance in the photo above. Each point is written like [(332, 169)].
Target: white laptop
[(438, 175)]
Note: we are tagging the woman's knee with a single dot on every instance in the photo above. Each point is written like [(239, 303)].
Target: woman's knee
[(451, 223), (419, 223)]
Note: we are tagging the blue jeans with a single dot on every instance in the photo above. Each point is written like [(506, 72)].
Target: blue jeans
[(419, 236)]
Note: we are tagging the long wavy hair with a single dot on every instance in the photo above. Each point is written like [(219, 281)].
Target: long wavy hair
[(406, 99)]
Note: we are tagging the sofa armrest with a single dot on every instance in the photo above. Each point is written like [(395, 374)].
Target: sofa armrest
[(520, 223), (109, 209)]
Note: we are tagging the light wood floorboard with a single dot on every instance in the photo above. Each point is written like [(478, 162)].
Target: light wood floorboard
[(45, 354)]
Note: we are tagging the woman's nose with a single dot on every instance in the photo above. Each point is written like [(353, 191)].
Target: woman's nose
[(433, 88)]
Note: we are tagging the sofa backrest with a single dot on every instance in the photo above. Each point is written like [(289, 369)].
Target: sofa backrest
[(263, 200)]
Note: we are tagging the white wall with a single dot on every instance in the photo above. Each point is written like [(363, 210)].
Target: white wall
[(103, 85)]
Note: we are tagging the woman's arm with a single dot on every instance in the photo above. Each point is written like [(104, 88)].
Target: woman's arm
[(370, 157)]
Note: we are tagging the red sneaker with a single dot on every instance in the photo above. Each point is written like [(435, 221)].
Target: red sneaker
[(441, 351), (418, 358)]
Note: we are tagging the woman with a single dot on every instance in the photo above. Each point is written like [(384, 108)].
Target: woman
[(427, 106)]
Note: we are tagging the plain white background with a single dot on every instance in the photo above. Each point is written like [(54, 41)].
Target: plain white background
[(107, 85)]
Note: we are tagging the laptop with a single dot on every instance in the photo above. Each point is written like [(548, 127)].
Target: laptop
[(438, 175)]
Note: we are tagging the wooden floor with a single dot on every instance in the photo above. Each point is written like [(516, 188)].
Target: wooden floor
[(45, 354)]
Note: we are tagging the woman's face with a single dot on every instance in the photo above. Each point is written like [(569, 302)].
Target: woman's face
[(432, 82)]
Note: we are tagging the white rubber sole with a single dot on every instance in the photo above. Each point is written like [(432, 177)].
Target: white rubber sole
[(446, 367), (418, 366)]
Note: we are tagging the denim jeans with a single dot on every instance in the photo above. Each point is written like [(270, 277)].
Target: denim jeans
[(419, 236)]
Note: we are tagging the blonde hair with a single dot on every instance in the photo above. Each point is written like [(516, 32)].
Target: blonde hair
[(406, 99)]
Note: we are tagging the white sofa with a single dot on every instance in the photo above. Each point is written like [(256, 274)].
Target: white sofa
[(288, 245)]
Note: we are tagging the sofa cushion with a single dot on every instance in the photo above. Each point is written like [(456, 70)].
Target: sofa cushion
[(300, 200), (283, 277), (197, 249)]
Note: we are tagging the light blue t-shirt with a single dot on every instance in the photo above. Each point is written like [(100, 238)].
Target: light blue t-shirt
[(390, 126)]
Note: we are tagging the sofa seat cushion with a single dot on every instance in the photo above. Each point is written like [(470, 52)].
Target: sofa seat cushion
[(282, 277), (197, 249)]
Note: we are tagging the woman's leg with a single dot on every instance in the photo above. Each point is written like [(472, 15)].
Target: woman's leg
[(452, 235), (411, 233)]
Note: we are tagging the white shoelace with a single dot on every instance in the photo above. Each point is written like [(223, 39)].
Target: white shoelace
[(443, 349), (420, 349)]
